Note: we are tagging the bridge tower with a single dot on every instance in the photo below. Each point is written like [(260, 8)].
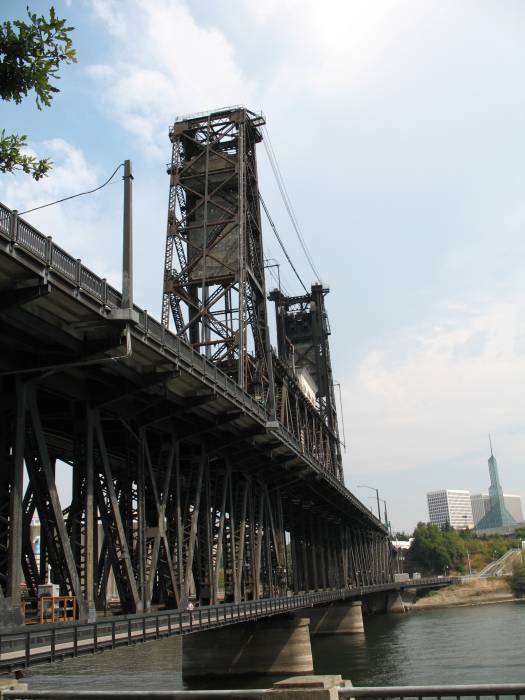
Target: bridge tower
[(214, 284), (303, 332)]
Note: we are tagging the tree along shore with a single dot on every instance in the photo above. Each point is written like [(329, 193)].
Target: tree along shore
[(436, 551)]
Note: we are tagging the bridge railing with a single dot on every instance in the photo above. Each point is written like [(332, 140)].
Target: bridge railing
[(502, 690), (48, 642), (419, 692)]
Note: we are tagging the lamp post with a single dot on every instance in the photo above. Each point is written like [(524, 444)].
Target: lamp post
[(387, 521), (364, 486), (385, 517)]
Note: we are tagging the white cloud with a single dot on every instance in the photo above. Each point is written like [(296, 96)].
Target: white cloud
[(172, 66), (82, 226), (456, 382), (110, 12), (330, 47)]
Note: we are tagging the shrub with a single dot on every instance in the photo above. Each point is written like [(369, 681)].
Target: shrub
[(517, 581)]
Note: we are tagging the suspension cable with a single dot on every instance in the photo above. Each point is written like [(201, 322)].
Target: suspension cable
[(286, 199), (279, 239)]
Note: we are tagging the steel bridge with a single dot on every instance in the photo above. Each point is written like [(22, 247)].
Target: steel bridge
[(204, 464)]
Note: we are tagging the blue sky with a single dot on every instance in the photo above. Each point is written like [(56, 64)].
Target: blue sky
[(400, 130)]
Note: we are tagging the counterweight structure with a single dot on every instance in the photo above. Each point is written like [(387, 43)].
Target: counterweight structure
[(214, 285), (214, 265), (304, 349)]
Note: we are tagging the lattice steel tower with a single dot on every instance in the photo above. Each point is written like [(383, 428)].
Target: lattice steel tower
[(303, 332), (214, 265)]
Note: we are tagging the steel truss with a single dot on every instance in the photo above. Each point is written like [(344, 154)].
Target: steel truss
[(169, 511), (214, 284)]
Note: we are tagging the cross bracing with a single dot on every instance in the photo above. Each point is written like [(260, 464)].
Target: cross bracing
[(185, 483)]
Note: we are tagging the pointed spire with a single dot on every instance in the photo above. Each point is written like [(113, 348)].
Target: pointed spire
[(490, 443)]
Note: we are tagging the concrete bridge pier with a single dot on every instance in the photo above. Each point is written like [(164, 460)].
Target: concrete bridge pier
[(279, 645), (337, 618), (395, 603), (387, 602)]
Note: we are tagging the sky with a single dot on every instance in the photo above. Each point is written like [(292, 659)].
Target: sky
[(399, 127)]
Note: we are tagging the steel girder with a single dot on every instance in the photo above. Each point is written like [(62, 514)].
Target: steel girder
[(157, 510)]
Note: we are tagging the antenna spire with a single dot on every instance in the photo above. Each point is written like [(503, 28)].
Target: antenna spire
[(490, 443)]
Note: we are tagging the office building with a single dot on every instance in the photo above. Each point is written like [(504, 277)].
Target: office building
[(452, 507)]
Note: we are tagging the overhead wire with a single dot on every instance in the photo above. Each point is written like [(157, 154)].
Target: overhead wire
[(280, 241), (72, 196), (286, 199)]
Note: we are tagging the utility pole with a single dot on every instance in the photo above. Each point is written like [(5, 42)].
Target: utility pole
[(127, 249)]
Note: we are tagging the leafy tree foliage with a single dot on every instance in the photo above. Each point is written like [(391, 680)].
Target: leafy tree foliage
[(517, 581), (435, 549), (30, 57)]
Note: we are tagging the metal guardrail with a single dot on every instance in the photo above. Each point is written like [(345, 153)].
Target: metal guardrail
[(515, 690), (39, 643), (496, 568), (421, 692)]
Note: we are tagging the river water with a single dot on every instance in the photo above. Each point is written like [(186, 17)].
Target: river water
[(482, 644)]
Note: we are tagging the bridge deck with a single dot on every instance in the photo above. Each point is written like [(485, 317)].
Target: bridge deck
[(41, 643), (78, 312), (191, 483)]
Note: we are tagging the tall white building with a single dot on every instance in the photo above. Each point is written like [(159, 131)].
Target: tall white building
[(450, 506), (481, 506)]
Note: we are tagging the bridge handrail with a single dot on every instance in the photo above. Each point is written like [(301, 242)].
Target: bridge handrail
[(306, 599), (516, 690), (436, 691)]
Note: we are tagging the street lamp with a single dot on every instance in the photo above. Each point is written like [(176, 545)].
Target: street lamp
[(386, 521), (364, 486)]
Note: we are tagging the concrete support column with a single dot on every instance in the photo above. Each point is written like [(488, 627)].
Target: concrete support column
[(338, 618), (272, 645), (309, 688), (394, 603)]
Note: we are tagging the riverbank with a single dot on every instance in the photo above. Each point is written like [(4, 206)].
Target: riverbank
[(477, 592)]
